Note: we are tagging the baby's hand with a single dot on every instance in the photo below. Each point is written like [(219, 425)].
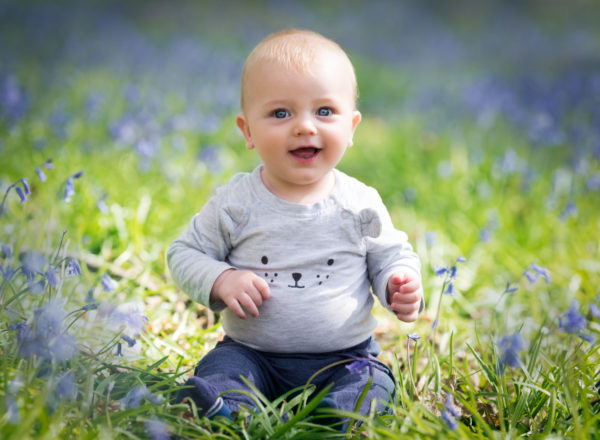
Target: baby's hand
[(404, 295), (240, 290)]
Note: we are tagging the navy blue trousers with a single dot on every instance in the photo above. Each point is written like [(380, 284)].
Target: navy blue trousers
[(274, 374)]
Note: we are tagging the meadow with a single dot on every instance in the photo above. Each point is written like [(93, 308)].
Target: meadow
[(481, 132)]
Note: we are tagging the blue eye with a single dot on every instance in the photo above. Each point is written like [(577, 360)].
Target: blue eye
[(280, 114), (324, 111)]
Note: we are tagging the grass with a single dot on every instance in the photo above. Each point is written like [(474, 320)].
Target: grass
[(523, 214)]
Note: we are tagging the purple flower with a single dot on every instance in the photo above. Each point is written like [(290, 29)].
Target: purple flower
[(25, 186), (441, 271), (510, 346), (157, 429), (22, 196), (62, 348), (358, 366), (133, 398), (130, 341), (129, 317), (510, 289), (450, 413), (534, 272), (450, 289), (51, 276), (108, 284), (594, 311), (49, 318), (572, 321), (40, 174), (69, 190), (7, 251), (66, 388), (33, 262), (73, 268), (413, 336)]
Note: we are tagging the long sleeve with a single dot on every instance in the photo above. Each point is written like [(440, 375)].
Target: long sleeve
[(388, 253), (199, 255)]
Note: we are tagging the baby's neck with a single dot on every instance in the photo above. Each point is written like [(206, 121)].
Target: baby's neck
[(304, 194)]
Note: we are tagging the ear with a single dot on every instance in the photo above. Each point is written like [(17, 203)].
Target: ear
[(242, 124), (356, 117)]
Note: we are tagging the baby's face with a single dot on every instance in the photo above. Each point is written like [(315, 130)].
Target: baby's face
[(300, 123)]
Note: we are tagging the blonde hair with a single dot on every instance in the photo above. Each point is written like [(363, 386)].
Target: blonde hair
[(292, 48)]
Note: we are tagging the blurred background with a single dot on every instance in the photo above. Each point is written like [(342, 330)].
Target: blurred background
[(481, 123)]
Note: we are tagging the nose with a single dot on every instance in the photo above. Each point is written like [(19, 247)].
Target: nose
[(296, 276), (305, 126)]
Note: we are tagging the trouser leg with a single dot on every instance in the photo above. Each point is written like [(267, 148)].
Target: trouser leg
[(221, 371)]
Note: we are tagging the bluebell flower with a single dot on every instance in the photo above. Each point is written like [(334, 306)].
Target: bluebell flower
[(597, 386), (33, 262), (102, 206), (69, 189), (119, 349), (572, 321), (52, 276), (49, 318), (130, 341), (73, 268), (41, 174), (450, 413), (133, 398), (12, 410), (510, 289), (510, 346), (66, 388), (594, 311), (25, 184), (570, 210), (450, 289), (7, 251), (430, 238), (131, 318), (441, 271), (22, 196), (48, 164), (587, 337), (62, 348), (413, 336), (358, 365), (157, 429), (108, 284), (36, 287), (533, 272)]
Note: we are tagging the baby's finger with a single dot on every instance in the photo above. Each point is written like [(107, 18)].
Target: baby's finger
[(410, 286), (407, 308), (406, 298), (248, 303), (407, 317), (262, 287), (235, 307)]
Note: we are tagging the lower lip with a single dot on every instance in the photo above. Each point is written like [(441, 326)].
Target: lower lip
[(305, 159)]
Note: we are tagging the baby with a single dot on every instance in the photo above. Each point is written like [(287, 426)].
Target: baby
[(293, 252)]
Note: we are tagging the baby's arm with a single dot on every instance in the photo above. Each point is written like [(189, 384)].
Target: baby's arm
[(240, 290), (405, 295)]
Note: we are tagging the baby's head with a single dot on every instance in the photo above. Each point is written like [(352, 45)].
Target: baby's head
[(298, 111), (294, 49)]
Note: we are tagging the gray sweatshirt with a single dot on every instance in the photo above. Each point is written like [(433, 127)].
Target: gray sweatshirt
[(319, 260)]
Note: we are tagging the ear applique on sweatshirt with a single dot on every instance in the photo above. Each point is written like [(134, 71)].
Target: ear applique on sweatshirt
[(299, 280)]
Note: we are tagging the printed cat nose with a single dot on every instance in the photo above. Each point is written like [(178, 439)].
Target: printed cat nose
[(296, 276)]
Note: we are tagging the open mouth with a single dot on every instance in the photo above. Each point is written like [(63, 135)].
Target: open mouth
[(305, 153)]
